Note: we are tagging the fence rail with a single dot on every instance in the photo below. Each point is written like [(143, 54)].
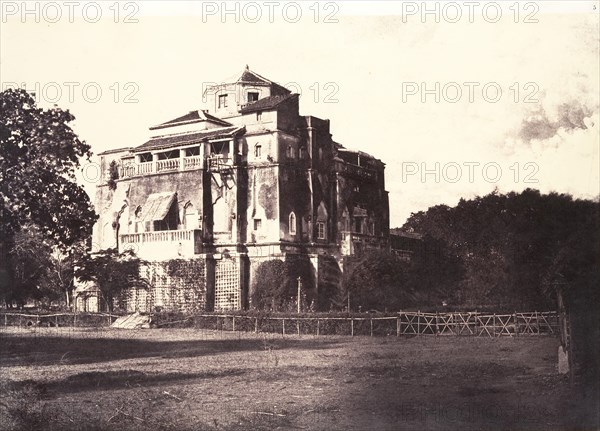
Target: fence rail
[(88, 320), (402, 324)]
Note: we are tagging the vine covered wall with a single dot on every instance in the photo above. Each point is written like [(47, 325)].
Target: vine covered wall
[(175, 285)]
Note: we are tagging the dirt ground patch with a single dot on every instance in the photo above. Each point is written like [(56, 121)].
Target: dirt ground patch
[(185, 379)]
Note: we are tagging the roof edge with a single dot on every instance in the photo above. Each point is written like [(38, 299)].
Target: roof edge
[(249, 107), (115, 150), (216, 131)]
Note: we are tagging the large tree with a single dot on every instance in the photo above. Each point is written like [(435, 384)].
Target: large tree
[(114, 274), (29, 259), (39, 155), (275, 284)]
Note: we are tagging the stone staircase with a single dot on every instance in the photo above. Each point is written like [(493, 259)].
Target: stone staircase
[(132, 321)]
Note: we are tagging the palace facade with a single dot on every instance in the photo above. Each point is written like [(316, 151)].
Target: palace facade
[(244, 180)]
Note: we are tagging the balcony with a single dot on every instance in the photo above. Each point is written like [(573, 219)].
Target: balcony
[(353, 242), (163, 245), (356, 171), (192, 162), (158, 166), (167, 165)]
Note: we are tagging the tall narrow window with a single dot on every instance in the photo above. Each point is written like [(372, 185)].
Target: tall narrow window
[(290, 152), (190, 217), (138, 220), (257, 223), (222, 100), (346, 224), (358, 224), (320, 230), (292, 223), (301, 153), (257, 151)]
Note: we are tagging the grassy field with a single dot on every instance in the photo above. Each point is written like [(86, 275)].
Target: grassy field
[(184, 379)]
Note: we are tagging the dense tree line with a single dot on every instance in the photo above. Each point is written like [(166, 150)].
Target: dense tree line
[(500, 251), (516, 249)]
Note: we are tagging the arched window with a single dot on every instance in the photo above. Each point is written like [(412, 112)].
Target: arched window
[(292, 223)]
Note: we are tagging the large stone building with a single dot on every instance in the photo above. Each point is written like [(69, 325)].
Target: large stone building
[(246, 179)]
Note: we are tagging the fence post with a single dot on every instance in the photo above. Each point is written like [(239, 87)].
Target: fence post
[(437, 326), (352, 326), (317, 327), (397, 326), (371, 326), (283, 323), (256, 325), (298, 326), (537, 322), (418, 322), (233, 323), (516, 324), (5, 320), (494, 324)]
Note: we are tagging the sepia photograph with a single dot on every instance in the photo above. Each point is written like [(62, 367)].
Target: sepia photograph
[(300, 215)]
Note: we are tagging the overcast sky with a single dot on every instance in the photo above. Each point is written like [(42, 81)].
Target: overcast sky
[(517, 88)]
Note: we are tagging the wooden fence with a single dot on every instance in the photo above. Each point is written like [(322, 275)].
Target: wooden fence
[(57, 319), (402, 324)]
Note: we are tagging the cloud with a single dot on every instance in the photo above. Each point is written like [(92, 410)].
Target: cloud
[(539, 126)]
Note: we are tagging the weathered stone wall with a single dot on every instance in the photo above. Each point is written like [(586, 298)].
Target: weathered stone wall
[(187, 184), (295, 197), (263, 192), (116, 208)]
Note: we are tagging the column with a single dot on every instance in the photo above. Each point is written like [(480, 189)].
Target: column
[(181, 159), (154, 161)]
